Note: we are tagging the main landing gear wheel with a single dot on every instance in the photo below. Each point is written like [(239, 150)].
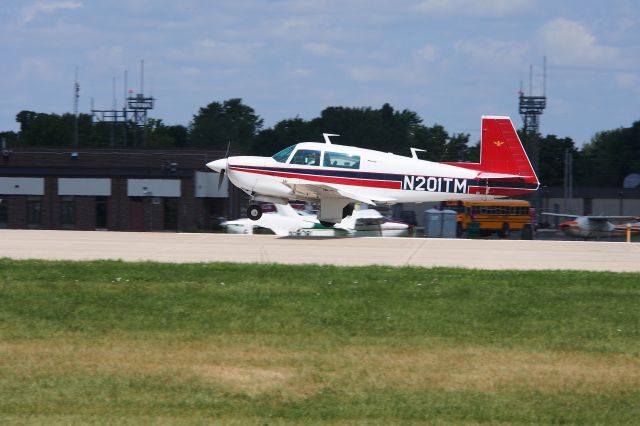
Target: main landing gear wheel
[(327, 224), (254, 212)]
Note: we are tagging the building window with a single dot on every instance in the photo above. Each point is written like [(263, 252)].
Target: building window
[(102, 210), (68, 213), (3, 213), (34, 212)]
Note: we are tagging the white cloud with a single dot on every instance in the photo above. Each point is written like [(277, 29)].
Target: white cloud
[(107, 56), (294, 27), (398, 74), (209, 50), (29, 13), (427, 53), (570, 43), (299, 72), (491, 52), (323, 49), (474, 7), (36, 68), (627, 80)]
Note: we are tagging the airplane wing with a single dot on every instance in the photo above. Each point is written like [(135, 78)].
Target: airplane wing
[(612, 218), (571, 216), (594, 218), (326, 189)]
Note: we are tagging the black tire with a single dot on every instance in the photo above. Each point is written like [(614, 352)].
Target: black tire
[(527, 232), (327, 224), (254, 212)]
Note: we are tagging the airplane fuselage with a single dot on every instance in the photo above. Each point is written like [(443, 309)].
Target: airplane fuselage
[(582, 227), (337, 175), (377, 173)]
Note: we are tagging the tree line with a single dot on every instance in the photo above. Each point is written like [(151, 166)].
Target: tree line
[(605, 161)]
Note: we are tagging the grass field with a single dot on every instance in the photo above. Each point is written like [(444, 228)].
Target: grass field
[(146, 343)]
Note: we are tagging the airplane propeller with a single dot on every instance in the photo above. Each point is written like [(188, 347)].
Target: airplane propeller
[(223, 171)]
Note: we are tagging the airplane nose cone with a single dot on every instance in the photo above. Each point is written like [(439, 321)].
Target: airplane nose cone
[(218, 165)]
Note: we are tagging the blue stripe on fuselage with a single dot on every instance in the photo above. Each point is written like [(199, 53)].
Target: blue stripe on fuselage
[(358, 174)]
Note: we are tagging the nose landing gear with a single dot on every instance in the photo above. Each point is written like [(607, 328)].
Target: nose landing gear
[(254, 212)]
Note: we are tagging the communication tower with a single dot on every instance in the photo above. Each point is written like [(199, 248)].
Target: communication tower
[(133, 117), (531, 108), (76, 97)]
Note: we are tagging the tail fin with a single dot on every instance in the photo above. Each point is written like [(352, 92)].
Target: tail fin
[(502, 155), (501, 150)]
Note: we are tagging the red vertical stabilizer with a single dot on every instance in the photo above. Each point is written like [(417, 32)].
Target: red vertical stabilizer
[(502, 153)]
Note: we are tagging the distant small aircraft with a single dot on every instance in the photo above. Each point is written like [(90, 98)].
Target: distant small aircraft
[(338, 176), (597, 226), (284, 221)]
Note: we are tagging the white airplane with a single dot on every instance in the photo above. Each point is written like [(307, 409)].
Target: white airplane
[(365, 222), (284, 221), (288, 221), (597, 226), (338, 176)]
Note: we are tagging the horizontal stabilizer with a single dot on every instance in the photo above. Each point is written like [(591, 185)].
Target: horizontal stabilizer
[(489, 175)]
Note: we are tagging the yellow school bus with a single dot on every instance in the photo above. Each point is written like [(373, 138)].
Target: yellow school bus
[(493, 216)]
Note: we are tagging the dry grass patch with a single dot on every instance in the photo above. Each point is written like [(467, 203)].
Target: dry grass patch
[(491, 370), (255, 369), (243, 369)]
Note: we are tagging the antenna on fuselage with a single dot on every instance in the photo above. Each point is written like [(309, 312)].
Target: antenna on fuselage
[(414, 152), (326, 137)]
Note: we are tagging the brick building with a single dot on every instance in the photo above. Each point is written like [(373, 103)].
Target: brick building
[(114, 189)]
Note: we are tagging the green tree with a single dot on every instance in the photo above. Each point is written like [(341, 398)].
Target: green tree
[(551, 164), (40, 129), (10, 138), (440, 146), (610, 156), (160, 135), (383, 129), (217, 124), (283, 134)]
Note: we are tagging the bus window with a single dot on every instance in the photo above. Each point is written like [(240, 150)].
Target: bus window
[(499, 217)]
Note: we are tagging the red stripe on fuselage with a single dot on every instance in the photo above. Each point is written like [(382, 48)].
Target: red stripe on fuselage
[(372, 183)]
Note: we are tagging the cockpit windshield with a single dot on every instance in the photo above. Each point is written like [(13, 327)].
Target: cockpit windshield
[(282, 156)]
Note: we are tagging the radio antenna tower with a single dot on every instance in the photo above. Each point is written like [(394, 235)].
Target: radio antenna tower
[(531, 108), (133, 114), (76, 97)]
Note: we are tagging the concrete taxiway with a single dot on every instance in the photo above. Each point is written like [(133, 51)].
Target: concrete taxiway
[(426, 252)]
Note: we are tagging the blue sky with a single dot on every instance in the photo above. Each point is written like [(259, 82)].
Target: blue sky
[(449, 60)]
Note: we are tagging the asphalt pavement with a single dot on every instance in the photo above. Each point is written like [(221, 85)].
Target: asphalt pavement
[(426, 252)]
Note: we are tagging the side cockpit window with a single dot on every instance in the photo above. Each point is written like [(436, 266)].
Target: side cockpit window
[(306, 157), (283, 156), (338, 159)]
